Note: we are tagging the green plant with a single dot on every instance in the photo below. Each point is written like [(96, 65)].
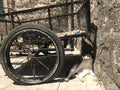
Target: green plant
[(98, 80)]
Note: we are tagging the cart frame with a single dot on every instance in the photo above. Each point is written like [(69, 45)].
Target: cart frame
[(30, 40)]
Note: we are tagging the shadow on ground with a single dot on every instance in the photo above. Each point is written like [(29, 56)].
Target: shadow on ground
[(70, 60)]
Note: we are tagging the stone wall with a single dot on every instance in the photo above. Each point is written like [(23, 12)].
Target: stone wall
[(24, 4), (106, 15)]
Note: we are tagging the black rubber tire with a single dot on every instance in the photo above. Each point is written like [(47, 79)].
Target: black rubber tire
[(7, 65)]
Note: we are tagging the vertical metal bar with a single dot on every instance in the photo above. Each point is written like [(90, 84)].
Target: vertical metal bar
[(59, 26), (12, 20), (78, 20), (50, 19), (8, 5), (6, 28), (72, 24), (1, 36), (88, 15), (72, 16), (13, 3), (38, 22)]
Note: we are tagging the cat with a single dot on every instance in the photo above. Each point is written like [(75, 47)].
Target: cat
[(82, 69)]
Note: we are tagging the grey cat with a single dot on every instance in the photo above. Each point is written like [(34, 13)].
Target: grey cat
[(82, 69)]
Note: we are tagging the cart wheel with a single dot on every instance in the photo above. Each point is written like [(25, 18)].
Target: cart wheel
[(33, 66)]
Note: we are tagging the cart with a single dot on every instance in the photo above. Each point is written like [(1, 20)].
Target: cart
[(34, 50)]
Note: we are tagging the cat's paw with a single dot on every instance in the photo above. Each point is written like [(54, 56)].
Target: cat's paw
[(66, 79), (92, 73), (81, 79)]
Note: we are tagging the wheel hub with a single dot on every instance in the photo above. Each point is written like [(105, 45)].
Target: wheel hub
[(30, 57)]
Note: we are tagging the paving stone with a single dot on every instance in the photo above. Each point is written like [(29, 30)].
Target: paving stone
[(90, 83), (74, 84), (93, 83)]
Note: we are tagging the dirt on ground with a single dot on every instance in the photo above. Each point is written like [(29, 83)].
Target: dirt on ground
[(89, 82)]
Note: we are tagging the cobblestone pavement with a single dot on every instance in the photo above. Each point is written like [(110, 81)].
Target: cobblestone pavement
[(90, 83)]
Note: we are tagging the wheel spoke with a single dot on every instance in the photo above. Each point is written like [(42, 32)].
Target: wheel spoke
[(44, 57), (34, 70), (23, 61), (32, 65), (44, 65), (22, 66)]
